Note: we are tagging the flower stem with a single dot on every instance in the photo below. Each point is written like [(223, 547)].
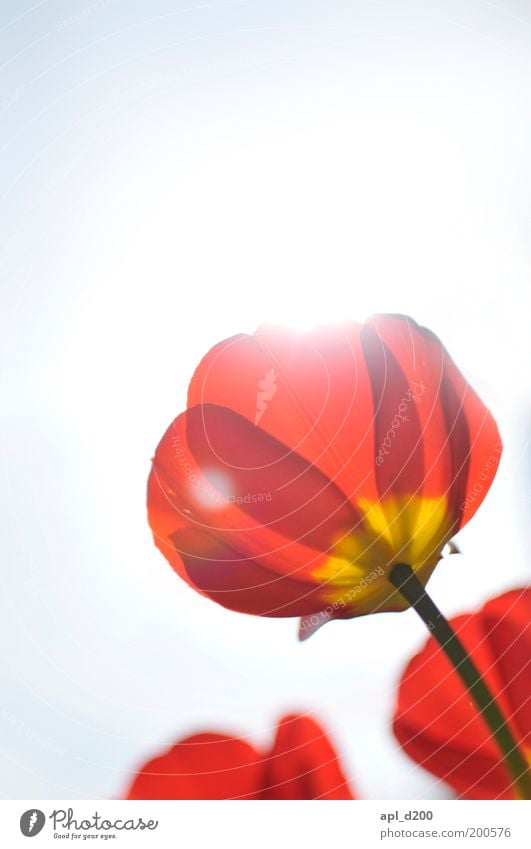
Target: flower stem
[(408, 585)]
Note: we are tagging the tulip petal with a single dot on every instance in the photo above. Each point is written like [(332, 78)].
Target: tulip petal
[(460, 442), (242, 461), (239, 583), (303, 764), (399, 452), (421, 428), (507, 622), (203, 766), (180, 496), (310, 392), (435, 721)]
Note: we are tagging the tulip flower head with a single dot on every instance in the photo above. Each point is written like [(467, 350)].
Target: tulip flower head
[(306, 466)]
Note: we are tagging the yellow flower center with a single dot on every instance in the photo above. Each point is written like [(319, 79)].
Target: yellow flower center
[(399, 529)]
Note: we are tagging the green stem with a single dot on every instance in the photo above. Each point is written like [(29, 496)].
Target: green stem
[(408, 585)]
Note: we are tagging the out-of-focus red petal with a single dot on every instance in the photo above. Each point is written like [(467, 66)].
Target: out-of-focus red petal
[(311, 392), (203, 766), (300, 765), (507, 621), (435, 720), (303, 763)]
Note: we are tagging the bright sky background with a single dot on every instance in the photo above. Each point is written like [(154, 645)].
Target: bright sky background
[(173, 173)]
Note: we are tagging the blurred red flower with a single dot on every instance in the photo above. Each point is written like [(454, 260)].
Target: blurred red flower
[(306, 466), (436, 722), (301, 764)]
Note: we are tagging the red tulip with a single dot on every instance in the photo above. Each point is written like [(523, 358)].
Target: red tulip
[(306, 466), (301, 764), (438, 725)]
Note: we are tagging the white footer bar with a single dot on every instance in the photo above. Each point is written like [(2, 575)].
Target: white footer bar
[(266, 825)]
